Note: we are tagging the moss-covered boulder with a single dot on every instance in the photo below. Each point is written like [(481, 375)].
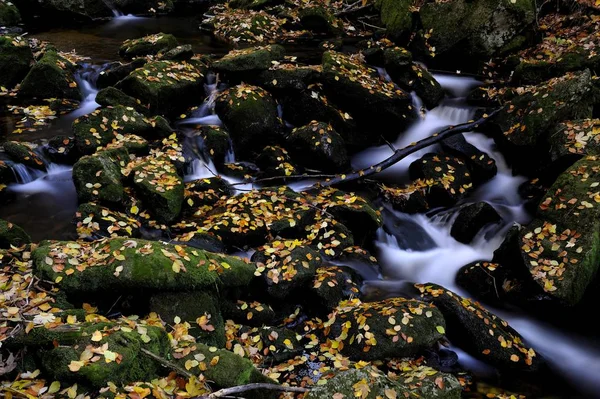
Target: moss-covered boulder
[(94, 353), (114, 72), (159, 187), (478, 28), (98, 178), (216, 142), (471, 219), (319, 19), (120, 264), (419, 381), (411, 76), (201, 194), (61, 149), (396, 16), (377, 105), (481, 166), (250, 116), (286, 267), (11, 234), (199, 309), (329, 236), (395, 327), (318, 146), (571, 140), (95, 222), (9, 14), (15, 59), (165, 87), (333, 284), (69, 11), (251, 59), (275, 161), (246, 27), (251, 313), (23, 153), (147, 45), (179, 53), (112, 97), (284, 77), (50, 77), (481, 333), (561, 247)]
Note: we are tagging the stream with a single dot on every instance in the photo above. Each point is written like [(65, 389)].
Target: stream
[(44, 203)]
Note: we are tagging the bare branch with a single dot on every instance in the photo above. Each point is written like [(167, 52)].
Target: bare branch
[(228, 392)]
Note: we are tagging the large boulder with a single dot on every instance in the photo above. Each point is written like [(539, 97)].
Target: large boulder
[(378, 106), (246, 27), (64, 11), (396, 16), (95, 222), (318, 146), (15, 60), (251, 117), (480, 164), (98, 177), (51, 77), (12, 235), (165, 87), (249, 60), (23, 153), (147, 45), (571, 140), (9, 15), (481, 333), (471, 219)]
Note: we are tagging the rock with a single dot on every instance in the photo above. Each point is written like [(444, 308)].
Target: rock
[(179, 53), (205, 192), (133, 364), (396, 17), (107, 125), (250, 313), (250, 115), (329, 236), (50, 77), (471, 219), (411, 76), (113, 97), (15, 58), (318, 146), (571, 140), (333, 284), (274, 344), (160, 188), (98, 178), (165, 87), (451, 179), (374, 103), (370, 383), (481, 333), (9, 16), (200, 309), (61, 149), (478, 28), (241, 170), (95, 222), (275, 161), (391, 328), (318, 19), (287, 77), (6, 175), (144, 7), (147, 45), (480, 164), (286, 268), (216, 142), (531, 115), (116, 71), (11, 234), (561, 247), (23, 153), (201, 240), (246, 27), (65, 11), (249, 60), (138, 265)]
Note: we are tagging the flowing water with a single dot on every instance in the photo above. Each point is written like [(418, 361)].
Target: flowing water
[(411, 248)]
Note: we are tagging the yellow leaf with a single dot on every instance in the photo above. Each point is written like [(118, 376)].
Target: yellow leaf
[(54, 387), (176, 268), (97, 336), (75, 365)]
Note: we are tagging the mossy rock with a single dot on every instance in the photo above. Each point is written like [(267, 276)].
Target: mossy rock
[(275, 344), (9, 15), (112, 97), (375, 104), (480, 164), (240, 28), (114, 72), (95, 222), (571, 140), (251, 59), (138, 265), (250, 115), (165, 87), (201, 194), (98, 178), (370, 383), (11, 234), (251, 313), (108, 125), (329, 236), (319, 19), (333, 284), (561, 247), (286, 268), (395, 327), (61, 149), (471, 219), (16, 58), (179, 53), (51, 77), (318, 146), (216, 142), (284, 77), (22, 153), (123, 344), (147, 45), (200, 309), (275, 161), (396, 17), (241, 170), (481, 333), (145, 7)]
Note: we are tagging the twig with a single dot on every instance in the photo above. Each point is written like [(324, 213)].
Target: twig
[(167, 363), (222, 393), (352, 10), (404, 152), (392, 147)]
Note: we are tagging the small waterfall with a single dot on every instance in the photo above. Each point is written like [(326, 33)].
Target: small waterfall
[(86, 78), (25, 174), (383, 74), (205, 114)]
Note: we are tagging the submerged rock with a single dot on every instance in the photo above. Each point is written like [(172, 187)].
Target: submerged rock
[(481, 333), (471, 219), (50, 77), (11, 234), (318, 146), (16, 58), (24, 154), (147, 45)]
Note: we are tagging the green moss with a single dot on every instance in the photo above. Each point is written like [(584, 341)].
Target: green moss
[(51, 77), (22, 153), (250, 59), (98, 179), (216, 142), (320, 20), (95, 221), (143, 265), (318, 146), (11, 234), (396, 16), (112, 97), (15, 59), (9, 14), (147, 45)]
